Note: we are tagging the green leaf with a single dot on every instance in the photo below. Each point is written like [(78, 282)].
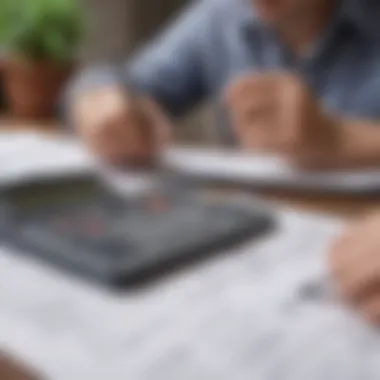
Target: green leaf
[(41, 29)]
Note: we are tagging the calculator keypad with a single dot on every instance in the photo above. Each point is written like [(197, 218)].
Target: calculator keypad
[(103, 238)]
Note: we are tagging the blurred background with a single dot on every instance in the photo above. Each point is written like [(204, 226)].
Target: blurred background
[(44, 42)]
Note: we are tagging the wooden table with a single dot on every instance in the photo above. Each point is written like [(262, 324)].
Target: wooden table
[(338, 205)]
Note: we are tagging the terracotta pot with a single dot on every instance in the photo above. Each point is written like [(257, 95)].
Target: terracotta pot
[(32, 88)]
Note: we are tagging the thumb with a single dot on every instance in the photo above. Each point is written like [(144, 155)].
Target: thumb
[(371, 309), (162, 127)]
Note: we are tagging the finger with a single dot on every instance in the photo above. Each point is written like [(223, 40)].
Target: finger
[(370, 308), (253, 112), (108, 151), (106, 115), (104, 134), (105, 106), (112, 127), (360, 264), (335, 251), (252, 134), (247, 85), (141, 119), (362, 285), (162, 127), (293, 114), (259, 140), (355, 267), (352, 245), (258, 136), (118, 140), (356, 251), (339, 251), (348, 279), (120, 130), (151, 132), (357, 246)]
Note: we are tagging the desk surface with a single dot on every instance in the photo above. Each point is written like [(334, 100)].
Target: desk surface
[(173, 328), (338, 205)]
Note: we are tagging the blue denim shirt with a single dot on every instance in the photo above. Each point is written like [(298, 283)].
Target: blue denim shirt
[(213, 41)]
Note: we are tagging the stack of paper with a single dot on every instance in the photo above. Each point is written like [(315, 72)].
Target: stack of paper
[(266, 170), (29, 156), (24, 156), (244, 316)]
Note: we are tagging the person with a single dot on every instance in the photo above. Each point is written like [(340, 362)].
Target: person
[(297, 77), (300, 77)]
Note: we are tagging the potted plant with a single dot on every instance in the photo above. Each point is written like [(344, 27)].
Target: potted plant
[(40, 38)]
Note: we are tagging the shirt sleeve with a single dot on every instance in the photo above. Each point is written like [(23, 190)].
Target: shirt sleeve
[(169, 68)]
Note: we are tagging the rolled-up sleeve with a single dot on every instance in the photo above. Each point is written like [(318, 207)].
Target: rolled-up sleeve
[(169, 68)]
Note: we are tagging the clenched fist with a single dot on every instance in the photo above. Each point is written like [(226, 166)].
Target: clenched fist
[(277, 112), (120, 128), (355, 266)]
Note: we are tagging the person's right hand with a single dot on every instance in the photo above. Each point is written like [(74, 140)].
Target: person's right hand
[(119, 128), (355, 266), (10, 369)]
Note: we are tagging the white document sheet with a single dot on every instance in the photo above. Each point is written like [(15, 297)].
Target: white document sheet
[(29, 155), (15, 141), (26, 155), (243, 316), (266, 170)]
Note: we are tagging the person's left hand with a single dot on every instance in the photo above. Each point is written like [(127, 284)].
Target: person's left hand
[(354, 262), (277, 112)]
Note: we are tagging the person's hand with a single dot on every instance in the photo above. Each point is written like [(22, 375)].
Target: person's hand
[(354, 262), (277, 112), (119, 128), (12, 370)]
